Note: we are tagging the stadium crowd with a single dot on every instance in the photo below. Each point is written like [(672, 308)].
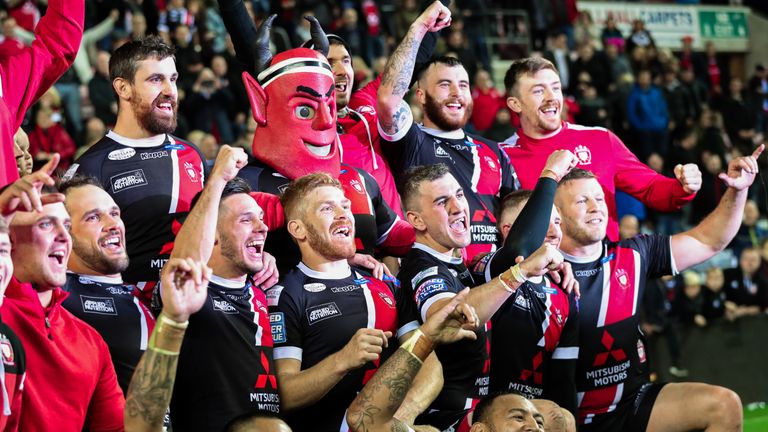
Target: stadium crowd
[(314, 215)]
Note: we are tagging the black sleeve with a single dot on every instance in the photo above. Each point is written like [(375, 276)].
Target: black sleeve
[(530, 228), (656, 252), (242, 30)]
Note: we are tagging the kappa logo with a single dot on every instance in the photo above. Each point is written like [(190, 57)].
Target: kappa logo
[(358, 187), (345, 289), (440, 152), (121, 154), (224, 306), (314, 287), (98, 305), (154, 155), (128, 180), (584, 154), (621, 276), (192, 173), (322, 312)]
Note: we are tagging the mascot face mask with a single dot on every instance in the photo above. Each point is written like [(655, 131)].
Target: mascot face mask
[(294, 106)]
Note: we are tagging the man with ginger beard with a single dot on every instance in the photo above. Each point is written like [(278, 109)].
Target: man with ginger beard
[(151, 175), (331, 322), (97, 294), (444, 94), (73, 385)]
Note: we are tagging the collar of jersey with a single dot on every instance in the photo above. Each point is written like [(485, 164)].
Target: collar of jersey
[(152, 141), (454, 134), (101, 279), (228, 283), (341, 274), (586, 259), (441, 256)]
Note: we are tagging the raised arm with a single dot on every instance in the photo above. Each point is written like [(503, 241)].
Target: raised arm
[(196, 237), (374, 407), (242, 30), (714, 233), (396, 79), (184, 285)]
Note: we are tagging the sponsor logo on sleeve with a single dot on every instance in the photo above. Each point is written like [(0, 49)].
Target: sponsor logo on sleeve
[(425, 290), (431, 271), (128, 180), (98, 305), (277, 322), (223, 306), (322, 312), (121, 154), (174, 146), (314, 287), (273, 295)]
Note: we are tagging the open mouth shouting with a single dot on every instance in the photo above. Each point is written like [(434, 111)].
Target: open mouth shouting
[(254, 248), (57, 257), (341, 85), (165, 106), (342, 231), (112, 243), (550, 112), (460, 225)]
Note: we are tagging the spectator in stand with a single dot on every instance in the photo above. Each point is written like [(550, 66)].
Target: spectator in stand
[(100, 91), (501, 127), (648, 117), (711, 136), (208, 105), (25, 12), (618, 63), (712, 188), (10, 43), (639, 37), (586, 32), (695, 92), (689, 307), (738, 116), (751, 234), (456, 46), (594, 63), (47, 138), (758, 88), (610, 32), (23, 78), (487, 101), (629, 226), (138, 26), (658, 320), (24, 159), (350, 30), (593, 108), (679, 116), (560, 56), (175, 14), (714, 296), (689, 59), (764, 259), (683, 150), (746, 292), (715, 74)]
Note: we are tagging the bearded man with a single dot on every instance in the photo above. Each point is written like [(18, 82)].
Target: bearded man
[(151, 175)]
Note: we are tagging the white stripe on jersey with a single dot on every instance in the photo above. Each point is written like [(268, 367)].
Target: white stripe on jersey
[(428, 304), (368, 303), (547, 316), (287, 352), (176, 182), (606, 297), (144, 328), (260, 332), (617, 398), (476, 168), (636, 256), (344, 426), (566, 353)]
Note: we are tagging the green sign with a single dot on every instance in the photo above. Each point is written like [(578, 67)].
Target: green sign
[(723, 25)]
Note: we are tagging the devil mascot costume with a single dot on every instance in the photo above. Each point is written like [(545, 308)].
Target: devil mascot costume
[(292, 100)]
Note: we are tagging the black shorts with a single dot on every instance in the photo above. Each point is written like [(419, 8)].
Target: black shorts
[(631, 415)]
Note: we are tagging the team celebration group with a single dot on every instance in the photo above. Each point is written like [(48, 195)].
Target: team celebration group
[(360, 272)]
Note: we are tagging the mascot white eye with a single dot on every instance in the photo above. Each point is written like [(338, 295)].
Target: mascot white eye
[(304, 112)]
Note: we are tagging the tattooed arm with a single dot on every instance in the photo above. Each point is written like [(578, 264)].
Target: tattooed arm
[(374, 408), (184, 284), (395, 81)]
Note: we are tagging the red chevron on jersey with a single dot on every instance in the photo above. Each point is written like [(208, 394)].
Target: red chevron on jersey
[(186, 185), (258, 303), (355, 190), (619, 300), (598, 401), (486, 165)]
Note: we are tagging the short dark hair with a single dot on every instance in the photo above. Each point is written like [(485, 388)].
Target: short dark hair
[(443, 60), (525, 66), (235, 186), (78, 180), (482, 411), (577, 174), (512, 200), (294, 196), (124, 60), (414, 177), (243, 422)]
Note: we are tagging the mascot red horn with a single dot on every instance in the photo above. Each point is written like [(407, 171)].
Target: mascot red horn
[(300, 79)]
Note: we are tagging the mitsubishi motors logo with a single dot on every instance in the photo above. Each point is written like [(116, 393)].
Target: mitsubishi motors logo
[(266, 378), (617, 354), (537, 376)]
